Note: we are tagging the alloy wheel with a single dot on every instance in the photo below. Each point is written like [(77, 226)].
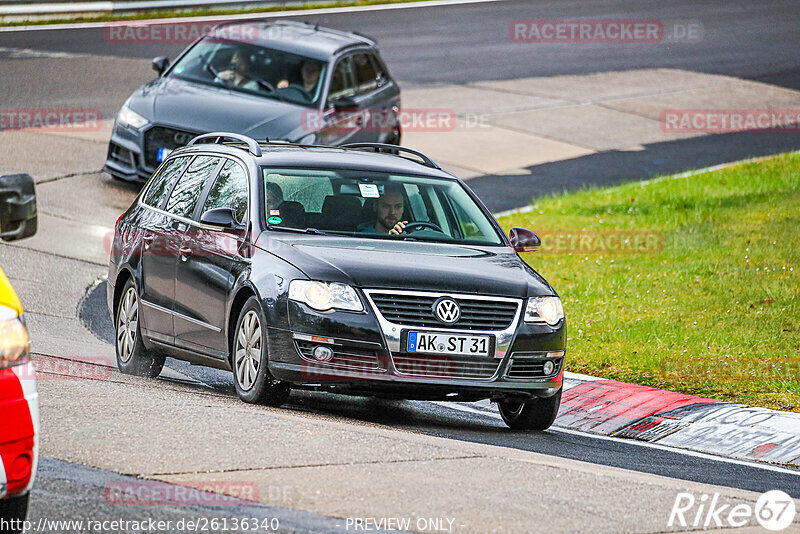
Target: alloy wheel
[(127, 323), (248, 350)]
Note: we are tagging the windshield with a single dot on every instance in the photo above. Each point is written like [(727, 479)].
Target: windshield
[(371, 204), (253, 69)]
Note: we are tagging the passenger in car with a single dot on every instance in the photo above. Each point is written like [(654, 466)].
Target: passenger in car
[(389, 209), (309, 74), (239, 73)]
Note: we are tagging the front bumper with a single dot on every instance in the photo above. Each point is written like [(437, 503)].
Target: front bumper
[(369, 358), (19, 419)]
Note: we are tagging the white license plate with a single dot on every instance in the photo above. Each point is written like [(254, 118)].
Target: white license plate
[(438, 343)]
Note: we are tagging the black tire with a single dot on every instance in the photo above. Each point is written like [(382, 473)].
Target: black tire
[(533, 414), (14, 508), (254, 383), (132, 356)]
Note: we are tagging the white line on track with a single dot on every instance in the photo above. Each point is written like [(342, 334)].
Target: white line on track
[(685, 452), (244, 16)]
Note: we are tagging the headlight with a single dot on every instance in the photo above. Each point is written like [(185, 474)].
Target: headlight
[(544, 310), (127, 116), (15, 345), (323, 296)]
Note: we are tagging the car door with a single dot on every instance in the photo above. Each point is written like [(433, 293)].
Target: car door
[(167, 244), (158, 253), (376, 97), (343, 124), (209, 265)]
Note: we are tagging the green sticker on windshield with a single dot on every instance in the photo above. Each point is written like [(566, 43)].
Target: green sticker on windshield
[(274, 220)]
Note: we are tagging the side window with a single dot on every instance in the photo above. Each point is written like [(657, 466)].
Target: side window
[(342, 81), (184, 196), (366, 77), (229, 190), (159, 184), (380, 71)]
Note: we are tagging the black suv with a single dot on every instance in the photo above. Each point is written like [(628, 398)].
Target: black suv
[(279, 80), (345, 269)]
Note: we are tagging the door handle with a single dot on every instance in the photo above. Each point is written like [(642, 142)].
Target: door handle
[(185, 253), (147, 239)]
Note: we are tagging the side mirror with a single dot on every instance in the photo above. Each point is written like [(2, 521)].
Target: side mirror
[(524, 240), (160, 64), (343, 103), (18, 218), (224, 218)]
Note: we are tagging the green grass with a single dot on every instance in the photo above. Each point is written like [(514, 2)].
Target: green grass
[(714, 310), (162, 14)]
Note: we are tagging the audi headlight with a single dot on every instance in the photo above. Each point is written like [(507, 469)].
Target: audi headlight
[(324, 296), (15, 345), (544, 310), (127, 116)]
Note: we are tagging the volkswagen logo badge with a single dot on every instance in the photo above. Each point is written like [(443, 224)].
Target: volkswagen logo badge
[(447, 310)]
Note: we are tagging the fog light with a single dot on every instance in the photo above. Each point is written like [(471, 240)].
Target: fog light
[(548, 367), (323, 354)]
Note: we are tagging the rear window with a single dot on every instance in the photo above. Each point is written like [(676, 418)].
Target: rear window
[(186, 192), (162, 180)]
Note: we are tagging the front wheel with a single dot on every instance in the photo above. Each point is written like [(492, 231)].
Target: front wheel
[(132, 356), (16, 509), (533, 414), (254, 383)]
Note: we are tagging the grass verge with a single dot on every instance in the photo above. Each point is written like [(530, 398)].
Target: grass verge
[(698, 293), (166, 14)]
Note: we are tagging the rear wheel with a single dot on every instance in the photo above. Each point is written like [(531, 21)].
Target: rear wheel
[(254, 383), (14, 508), (132, 356), (533, 414)]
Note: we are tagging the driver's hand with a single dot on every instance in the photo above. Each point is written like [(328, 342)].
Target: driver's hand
[(398, 228), (226, 75), (283, 84)]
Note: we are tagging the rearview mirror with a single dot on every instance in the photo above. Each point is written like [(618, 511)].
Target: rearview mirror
[(18, 218), (524, 240), (224, 218), (160, 64)]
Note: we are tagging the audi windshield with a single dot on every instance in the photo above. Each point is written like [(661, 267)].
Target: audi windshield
[(375, 205), (252, 69)]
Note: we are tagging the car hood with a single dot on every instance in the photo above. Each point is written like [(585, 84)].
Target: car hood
[(374, 263), (198, 107)]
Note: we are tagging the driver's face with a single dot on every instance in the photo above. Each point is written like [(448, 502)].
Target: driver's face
[(389, 210), (310, 72)]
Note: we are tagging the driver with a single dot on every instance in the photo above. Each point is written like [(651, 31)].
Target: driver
[(389, 210), (238, 75), (309, 72)]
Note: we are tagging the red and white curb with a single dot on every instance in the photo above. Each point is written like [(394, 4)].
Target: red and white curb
[(673, 419), (664, 419)]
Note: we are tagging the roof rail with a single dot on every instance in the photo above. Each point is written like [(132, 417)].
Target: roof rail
[(380, 147), (218, 137)]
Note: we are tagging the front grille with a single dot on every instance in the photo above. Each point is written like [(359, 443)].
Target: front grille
[(526, 367), (160, 136), (417, 310), (348, 356), (445, 366)]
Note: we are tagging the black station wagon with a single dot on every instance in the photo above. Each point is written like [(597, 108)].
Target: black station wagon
[(364, 270)]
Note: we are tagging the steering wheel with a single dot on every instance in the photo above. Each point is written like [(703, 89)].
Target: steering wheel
[(420, 225), (305, 95)]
